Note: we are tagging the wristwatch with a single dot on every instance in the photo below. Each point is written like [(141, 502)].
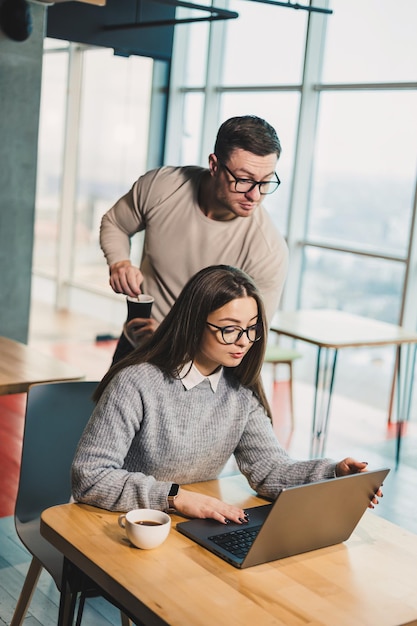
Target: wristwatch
[(173, 493)]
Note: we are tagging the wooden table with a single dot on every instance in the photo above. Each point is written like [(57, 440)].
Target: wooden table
[(331, 330), (368, 580), (22, 366)]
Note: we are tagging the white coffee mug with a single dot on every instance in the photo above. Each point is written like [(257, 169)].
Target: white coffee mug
[(146, 528)]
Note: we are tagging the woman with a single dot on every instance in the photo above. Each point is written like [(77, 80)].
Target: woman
[(175, 410)]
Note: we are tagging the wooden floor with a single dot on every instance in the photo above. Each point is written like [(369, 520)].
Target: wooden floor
[(43, 610), (356, 430)]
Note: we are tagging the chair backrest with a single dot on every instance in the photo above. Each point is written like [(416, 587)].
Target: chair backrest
[(56, 414)]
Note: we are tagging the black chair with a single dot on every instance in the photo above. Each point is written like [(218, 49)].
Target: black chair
[(56, 414)]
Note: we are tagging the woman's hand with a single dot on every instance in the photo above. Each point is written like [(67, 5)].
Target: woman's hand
[(193, 504), (350, 466), (139, 328)]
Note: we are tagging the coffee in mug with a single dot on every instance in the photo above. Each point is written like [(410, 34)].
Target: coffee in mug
[(145, 528)]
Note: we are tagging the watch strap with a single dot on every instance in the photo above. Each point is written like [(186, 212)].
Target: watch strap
[(173, 493)]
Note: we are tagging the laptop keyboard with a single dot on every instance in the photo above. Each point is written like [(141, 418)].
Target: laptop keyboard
[(237, 542)]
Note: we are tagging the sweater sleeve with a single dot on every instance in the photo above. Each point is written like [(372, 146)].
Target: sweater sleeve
[(266, 465), (125, 218), (98, 474)]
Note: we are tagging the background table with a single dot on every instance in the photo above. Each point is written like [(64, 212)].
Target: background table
[(331, 330), (368, 580), (22, 366)]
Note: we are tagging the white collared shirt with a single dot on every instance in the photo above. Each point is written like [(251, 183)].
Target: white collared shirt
[(191, 377)]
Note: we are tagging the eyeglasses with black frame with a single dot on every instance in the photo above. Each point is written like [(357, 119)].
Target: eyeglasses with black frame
[(244, 185), (232, 334)]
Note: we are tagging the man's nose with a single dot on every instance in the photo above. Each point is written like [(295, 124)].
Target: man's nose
[(253, 194)]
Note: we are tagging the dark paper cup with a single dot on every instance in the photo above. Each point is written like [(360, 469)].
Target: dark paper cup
[(140, 306)]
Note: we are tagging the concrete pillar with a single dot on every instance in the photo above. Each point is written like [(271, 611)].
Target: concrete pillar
[(20, 86)]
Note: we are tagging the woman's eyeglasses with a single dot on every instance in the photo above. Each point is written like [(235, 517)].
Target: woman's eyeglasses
[(232, 334)]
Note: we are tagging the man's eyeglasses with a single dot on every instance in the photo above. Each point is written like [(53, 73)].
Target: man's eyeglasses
[(232, 334), (244, 185)]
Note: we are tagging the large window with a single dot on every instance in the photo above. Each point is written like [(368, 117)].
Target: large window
[(264, 46), (93, 144), (365, 164), (371, 41), (240, 69), (341, 90), (113, 148)]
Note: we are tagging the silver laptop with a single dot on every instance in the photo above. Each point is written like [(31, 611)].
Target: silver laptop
[(302, 518)]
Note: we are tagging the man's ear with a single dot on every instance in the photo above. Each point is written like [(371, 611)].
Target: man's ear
[(213, 164)]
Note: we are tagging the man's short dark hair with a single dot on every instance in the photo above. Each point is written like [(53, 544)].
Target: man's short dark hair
[(247, 132)]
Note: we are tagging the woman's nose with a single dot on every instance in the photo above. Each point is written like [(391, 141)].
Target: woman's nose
[(243, 340)]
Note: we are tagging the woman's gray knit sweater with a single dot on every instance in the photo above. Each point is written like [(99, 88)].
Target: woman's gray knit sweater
[(147, 432)]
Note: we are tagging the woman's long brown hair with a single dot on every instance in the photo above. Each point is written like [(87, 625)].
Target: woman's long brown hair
[(178, 337)]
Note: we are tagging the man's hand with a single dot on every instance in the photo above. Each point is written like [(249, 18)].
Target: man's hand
[(125, 278)]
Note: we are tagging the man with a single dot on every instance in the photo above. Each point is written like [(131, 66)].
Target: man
[(195, 217)]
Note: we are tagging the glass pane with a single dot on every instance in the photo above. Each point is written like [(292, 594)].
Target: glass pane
[(371, 41), (49, 167), (191, 129), (264, 45), (195, 69), (362, 286), (280, 109), (352, 283), (113, 148), (364, 170)]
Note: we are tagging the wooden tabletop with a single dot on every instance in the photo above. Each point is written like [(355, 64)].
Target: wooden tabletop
[(329, 328), (22, 366), (368, 580)]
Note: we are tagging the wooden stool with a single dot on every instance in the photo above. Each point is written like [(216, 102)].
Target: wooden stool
[(276, 355)]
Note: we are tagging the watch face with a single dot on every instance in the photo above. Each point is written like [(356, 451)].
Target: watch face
[(173, 491)]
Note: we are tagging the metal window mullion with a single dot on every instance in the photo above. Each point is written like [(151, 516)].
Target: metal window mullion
[(65, 252), (158, 114), (408, 317), (212, 95), (402, 387), (304, 152), (176, 97), (366, 86), (350, 250)]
